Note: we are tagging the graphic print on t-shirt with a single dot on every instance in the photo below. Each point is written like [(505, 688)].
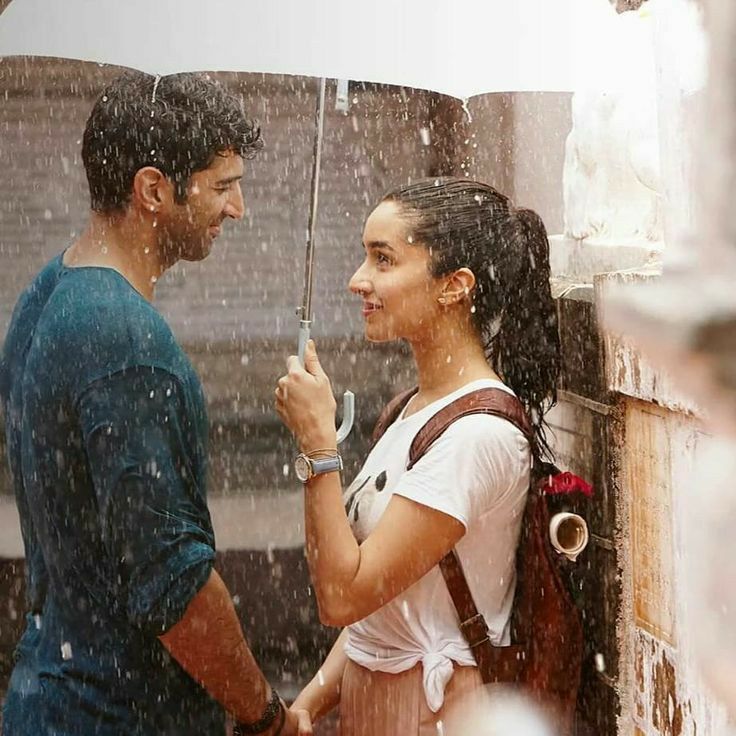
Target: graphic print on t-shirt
[(359, 499)]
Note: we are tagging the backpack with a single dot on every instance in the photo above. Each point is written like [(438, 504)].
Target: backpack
[(546, 651)]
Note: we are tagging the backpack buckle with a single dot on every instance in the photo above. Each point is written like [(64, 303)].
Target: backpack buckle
[(475, 630)]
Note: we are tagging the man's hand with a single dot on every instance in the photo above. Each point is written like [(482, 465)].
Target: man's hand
[(305, 402)]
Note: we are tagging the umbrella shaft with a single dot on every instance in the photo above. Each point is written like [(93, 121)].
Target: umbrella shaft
[(306, 311)]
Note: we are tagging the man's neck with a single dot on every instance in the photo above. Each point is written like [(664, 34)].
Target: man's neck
[(124, 246)]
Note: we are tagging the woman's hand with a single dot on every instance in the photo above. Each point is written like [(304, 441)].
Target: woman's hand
[(304, 722), (305, 402)]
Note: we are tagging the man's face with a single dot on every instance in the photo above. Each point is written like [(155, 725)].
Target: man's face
[(213, 195)]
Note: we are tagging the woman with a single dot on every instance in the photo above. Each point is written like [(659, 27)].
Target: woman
[(454, 269)]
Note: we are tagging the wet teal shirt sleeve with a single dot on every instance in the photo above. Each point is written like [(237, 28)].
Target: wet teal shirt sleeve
[(153, 517)]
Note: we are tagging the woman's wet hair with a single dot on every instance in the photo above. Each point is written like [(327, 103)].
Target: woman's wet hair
[(468, 224), (177, 123)]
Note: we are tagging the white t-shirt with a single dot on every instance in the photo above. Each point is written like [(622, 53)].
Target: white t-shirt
[(477, 471)]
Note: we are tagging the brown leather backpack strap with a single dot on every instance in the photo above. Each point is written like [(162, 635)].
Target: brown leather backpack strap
[(472, 624), (391, 412), (493, 401), (496, 664)]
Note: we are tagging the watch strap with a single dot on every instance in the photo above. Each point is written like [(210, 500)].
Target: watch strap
[(325, 464)]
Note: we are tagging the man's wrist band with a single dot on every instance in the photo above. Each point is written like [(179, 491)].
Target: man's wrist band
[(273, 709)]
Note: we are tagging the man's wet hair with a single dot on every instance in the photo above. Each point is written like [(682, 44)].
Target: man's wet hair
[(177, 123)]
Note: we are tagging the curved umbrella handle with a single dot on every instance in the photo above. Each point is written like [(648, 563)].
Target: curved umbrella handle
[(348, 398), (348, 416)]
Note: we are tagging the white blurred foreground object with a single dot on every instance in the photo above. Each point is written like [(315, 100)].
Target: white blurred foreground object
[(462, 48), (615, 183), (711, 565), (502, 713)]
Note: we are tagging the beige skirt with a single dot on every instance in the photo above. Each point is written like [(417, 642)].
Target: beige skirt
[(383, 704)]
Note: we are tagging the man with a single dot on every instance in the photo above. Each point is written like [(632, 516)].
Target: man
[(130, 630)]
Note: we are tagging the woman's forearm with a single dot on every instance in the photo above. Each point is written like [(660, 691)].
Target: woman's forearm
[(322, 693), (333, 553)]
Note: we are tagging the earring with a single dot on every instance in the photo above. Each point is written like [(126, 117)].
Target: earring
[(441, 300)]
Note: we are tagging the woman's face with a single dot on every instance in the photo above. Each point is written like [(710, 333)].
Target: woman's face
[(399, 293)]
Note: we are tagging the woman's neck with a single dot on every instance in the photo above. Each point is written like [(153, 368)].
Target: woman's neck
[(448, 361)]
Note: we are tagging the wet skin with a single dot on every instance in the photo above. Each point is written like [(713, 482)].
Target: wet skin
[(213, 195), (400, 296)]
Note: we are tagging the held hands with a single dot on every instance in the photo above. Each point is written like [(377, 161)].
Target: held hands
[(305, 403), (297, 723)]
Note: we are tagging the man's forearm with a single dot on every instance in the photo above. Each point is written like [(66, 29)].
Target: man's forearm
[(208, 643)]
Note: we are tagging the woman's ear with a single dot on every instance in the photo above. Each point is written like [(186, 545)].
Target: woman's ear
[(458, 286)]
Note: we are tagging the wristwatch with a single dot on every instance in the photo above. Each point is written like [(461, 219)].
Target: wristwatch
[(306, 467)]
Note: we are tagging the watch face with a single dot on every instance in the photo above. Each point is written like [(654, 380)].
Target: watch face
[(302, 468)]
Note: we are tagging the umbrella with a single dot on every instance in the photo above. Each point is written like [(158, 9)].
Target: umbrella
[(455, 47), (305, 310), (461, 49)]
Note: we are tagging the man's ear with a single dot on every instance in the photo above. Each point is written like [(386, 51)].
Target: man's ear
[(151, 189), (458, 286)]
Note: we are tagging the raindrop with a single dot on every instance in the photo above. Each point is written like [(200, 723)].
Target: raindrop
[(48, 214), (37, 621), (66, 651), (320, 678), (424, 134), (473, 309), (285, 470), (467, 110), (104, 98), (600, 662)]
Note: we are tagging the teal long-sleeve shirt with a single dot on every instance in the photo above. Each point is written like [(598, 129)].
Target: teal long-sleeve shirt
[(106, 429)]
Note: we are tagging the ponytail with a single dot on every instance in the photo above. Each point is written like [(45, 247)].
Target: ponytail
[(526, 349)]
